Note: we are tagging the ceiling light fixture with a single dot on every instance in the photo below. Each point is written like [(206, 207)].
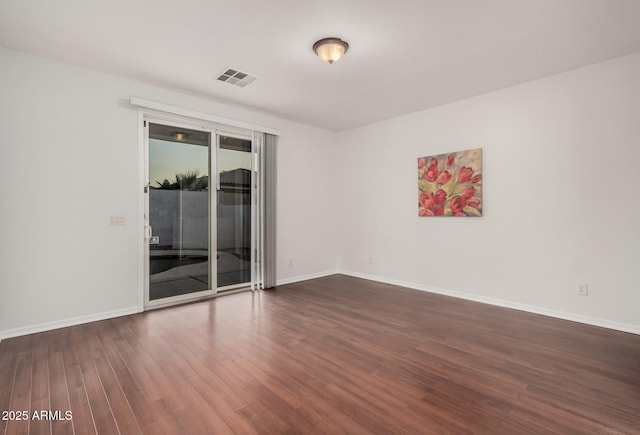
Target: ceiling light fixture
[(330, 50), (180, 136)]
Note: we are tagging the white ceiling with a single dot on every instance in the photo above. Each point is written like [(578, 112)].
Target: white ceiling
[(405, 55)]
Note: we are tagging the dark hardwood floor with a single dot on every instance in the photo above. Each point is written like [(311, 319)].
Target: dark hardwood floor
[(332, 355)]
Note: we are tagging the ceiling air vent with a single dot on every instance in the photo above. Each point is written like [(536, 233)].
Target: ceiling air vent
[(237, 78)]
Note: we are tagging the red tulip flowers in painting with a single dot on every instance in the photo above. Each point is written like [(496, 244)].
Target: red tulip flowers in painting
[(469, 192), (440, 196), (457, 204), (444, 177), (465, 175), (450, 184)]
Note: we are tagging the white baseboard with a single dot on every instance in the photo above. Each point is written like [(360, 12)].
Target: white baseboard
[(306, 277), (594, 321), (625, 327), (48, 326)]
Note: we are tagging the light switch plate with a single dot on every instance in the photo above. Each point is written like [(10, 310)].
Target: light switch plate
[(117, 220)]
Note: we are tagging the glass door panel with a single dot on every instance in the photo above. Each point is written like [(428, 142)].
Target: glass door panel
[(178, 233), (234, 162)]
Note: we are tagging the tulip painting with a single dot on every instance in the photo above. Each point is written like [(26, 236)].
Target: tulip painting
[(450, 184)]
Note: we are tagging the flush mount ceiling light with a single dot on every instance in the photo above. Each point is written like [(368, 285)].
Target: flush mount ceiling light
[(180, 136), (330, 50)]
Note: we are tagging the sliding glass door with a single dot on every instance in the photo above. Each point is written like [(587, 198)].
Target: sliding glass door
[(198, 212), (179, 214), (234, 163)]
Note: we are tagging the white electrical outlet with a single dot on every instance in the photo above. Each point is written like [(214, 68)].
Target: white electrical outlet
[(370, 260), (583, 290), (290, 262)]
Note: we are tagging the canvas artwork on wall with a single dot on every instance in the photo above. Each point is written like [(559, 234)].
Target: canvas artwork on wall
[(450, 184)]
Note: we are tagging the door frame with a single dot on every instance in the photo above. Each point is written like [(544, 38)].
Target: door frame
[(146, 303)]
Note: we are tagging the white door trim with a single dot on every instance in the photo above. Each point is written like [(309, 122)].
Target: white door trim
[(175, 110)]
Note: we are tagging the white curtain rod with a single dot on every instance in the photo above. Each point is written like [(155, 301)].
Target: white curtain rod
[(175, 110)]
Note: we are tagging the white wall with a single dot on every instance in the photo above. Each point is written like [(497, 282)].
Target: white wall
[(69, 160), (561, 176), (560, 173)]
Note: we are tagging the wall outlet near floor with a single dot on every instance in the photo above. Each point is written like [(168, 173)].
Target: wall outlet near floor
[(370, 260), (583, 290), (291, 262)]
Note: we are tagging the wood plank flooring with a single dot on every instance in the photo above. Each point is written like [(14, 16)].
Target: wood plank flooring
[(335, 355)]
